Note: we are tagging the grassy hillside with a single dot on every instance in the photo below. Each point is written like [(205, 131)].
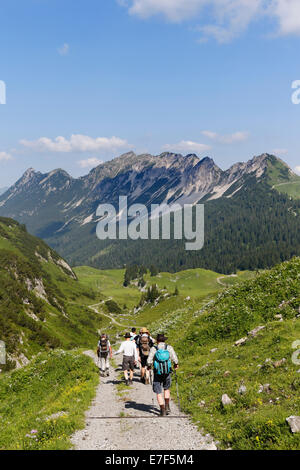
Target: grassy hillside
[(42, 404), (42, 303), (282, 179), (110, 283), (292, 188), (212, 365)]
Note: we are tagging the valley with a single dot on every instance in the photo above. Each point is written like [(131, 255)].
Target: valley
[(205, 318)]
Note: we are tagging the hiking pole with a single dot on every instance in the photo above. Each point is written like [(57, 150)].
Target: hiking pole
[(177, 390), (151, 383)]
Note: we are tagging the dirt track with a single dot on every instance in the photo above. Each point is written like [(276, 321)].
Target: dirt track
[(130, 421)]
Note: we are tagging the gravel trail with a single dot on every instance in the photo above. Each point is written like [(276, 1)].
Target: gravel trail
[(129, 421), (96, 310), (224, 277)]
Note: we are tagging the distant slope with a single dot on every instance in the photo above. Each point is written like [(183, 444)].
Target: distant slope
[(282, 179), (42, 304), (292, 188), (196, 283)]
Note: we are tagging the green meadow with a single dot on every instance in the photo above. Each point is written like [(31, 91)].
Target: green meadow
[(42, 404)]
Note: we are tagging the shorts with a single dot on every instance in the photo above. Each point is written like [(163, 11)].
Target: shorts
[(128, 363), (161, 382)]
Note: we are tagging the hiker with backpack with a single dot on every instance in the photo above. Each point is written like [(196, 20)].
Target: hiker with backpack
[(130, 357), (144, 343), (104, 352), (161, 357), (133, 334)]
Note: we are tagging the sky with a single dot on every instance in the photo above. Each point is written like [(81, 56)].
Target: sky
[(88, 80)]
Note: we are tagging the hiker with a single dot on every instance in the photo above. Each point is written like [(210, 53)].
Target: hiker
[(130, 357), (133, 334), (104, 352), (161, 357), (144, 343)]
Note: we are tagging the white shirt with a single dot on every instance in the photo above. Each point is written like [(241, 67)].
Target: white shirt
[(128, 348)]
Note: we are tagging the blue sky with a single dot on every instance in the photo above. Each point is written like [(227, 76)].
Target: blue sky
[(88, 80)]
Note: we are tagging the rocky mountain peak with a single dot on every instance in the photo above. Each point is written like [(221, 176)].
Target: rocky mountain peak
[(208, 162), (28, 175)]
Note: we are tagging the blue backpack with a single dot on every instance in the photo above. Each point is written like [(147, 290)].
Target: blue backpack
[(162, 361)]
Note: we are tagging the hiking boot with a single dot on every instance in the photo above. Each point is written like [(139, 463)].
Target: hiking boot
[(127, 382), (162, 410), (107, 373), (147, 381), (168, 409), (143, 380), (130, 382)]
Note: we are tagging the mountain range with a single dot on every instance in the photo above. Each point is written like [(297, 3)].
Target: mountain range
[(62, 210)]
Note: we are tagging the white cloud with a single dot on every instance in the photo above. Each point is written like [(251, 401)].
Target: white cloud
[(64, 49), (288, 14), (210, 134), (229, 18), (239, 136), (89, 163), (280, 151), (5, 156), (297, 169), (173, 10), (187, 146), (76, 143)]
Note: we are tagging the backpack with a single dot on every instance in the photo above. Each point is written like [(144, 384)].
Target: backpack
[(145, 345), (162, 361), (104, 344)]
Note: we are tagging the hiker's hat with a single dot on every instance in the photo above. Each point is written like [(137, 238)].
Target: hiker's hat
[(144, 330), (127, 335), (161, 338)]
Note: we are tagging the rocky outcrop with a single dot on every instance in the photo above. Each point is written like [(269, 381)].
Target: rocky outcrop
[(294, 423)]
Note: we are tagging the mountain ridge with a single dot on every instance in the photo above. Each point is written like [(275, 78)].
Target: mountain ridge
[(198, 176), (62, 210)]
